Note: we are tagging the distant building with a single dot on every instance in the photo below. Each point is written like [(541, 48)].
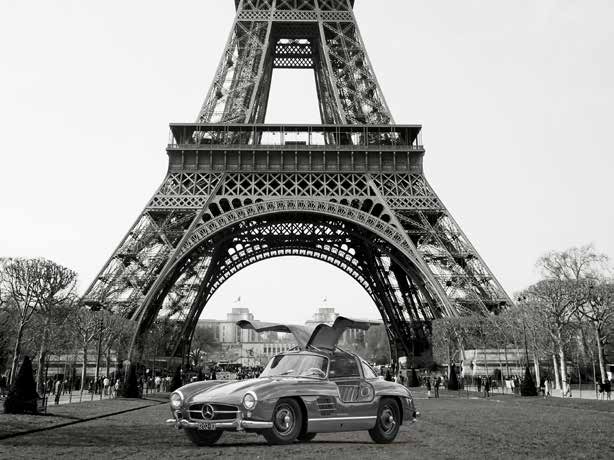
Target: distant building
[(326, 314), (249, 348), (243, 346), (227, 331)]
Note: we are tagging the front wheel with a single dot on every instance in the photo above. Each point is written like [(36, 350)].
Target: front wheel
[(287, 423), (203, 438), (388, 422)]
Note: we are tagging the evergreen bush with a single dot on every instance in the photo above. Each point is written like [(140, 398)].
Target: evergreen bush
[(176, 382), (453, 384), (527, 387), (22, 397), (130, 389)]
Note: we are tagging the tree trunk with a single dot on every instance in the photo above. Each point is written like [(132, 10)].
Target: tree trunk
[(16, 352), (563, 369), (84, 369), (97, 374), (107, 360), (557, 380), (507, 363), (42, 354), (537, 375), (600, 356), (449, 359)]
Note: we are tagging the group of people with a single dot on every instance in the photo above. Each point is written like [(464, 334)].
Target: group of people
[(484, 385), (158, 384), (249, 373), (433, 383)]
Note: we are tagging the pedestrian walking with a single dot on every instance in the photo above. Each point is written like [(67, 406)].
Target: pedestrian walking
[(568, 386), (608, 389), (106, 383), (547, 389), (487, 387), (428, 387), (59, 385), (116, 387), (601, 390), (437, 385), (479, 384)]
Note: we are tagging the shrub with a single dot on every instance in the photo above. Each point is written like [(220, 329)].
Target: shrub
[(453, 384), (176, 382), (130, 389), (527, 387), (22, 397)]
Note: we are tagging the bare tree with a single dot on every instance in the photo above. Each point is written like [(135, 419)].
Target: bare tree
[(599, 310), (116, 333), (85, 325), (555, 301), (587, 269), (573, 264), (19, 279), (55, 289)]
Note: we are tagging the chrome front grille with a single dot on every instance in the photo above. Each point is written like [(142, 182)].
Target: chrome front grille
[(220, 412)]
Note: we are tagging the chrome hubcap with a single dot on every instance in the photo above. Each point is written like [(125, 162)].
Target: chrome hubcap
[(284, 420), (388, 420)]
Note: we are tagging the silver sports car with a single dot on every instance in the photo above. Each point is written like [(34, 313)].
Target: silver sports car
[(317, 388)]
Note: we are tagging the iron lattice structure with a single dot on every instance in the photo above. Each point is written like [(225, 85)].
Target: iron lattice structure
[(350, 192)]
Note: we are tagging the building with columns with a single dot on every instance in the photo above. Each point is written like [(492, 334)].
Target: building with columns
[(249, 348)]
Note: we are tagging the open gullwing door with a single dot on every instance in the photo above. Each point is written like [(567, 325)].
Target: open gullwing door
[(323, 336), (301, 334), (326, 336)]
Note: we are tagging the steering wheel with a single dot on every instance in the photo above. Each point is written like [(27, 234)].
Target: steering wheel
[(316, 370)]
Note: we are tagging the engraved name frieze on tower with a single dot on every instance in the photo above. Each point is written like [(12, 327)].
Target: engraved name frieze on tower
[(350, 191)]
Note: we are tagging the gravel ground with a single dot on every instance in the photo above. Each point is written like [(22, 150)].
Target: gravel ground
[(450, 427)]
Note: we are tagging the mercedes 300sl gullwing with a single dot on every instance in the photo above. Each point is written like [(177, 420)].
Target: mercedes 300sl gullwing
[(316, 389)]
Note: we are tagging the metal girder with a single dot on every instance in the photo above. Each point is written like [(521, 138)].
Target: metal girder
[(323, 36), (350, 192)]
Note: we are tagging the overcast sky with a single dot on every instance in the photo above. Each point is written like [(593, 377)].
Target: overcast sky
[(516, 99)]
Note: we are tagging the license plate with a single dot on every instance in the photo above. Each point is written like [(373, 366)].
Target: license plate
[(206, 426)]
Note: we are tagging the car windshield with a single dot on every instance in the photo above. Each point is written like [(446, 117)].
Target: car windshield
[(311, 366)]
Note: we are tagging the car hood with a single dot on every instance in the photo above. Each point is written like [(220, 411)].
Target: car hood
[(233, 392)]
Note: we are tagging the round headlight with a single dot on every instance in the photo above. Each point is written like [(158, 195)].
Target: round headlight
[(250, 400), (176, 400)]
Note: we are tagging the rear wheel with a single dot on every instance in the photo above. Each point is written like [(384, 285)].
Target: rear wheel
[(287, 423), (388, 422), (307, 437), (203, 438)]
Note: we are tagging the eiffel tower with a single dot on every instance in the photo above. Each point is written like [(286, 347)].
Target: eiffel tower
[(350, 191)]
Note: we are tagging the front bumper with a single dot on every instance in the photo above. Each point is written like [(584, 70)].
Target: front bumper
[(238, 424)]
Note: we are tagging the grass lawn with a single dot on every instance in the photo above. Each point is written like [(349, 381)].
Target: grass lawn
[(501, 427), (66, 413), (516, 426)]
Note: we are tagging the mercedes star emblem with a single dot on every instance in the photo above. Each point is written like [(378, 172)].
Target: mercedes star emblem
[(208, 412)]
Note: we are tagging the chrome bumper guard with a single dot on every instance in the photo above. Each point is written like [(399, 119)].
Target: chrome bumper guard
[(238, 424)]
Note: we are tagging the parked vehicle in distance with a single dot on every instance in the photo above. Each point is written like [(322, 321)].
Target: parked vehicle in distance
[(316, 388)]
